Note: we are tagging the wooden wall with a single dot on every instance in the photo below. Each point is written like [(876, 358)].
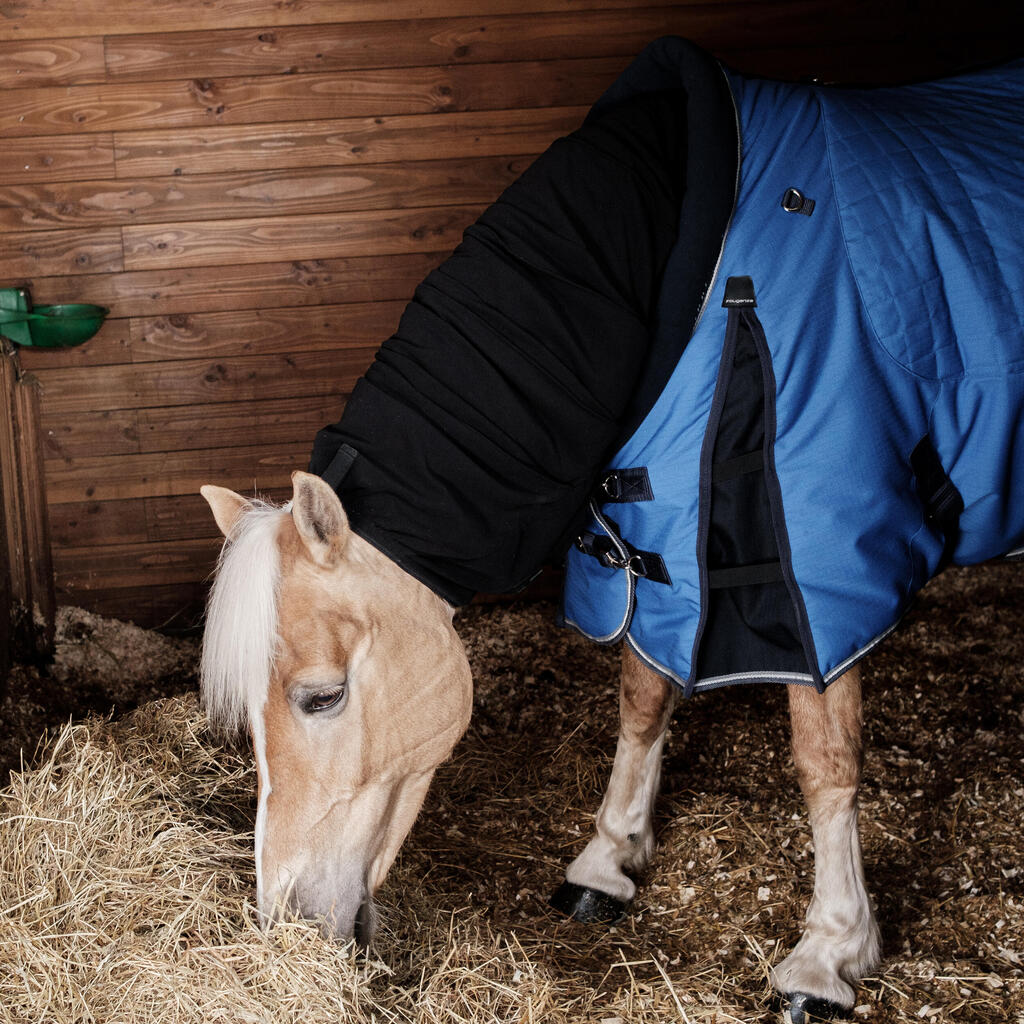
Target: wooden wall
[(255, 187)]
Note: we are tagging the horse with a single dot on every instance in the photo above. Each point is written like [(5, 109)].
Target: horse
[(501, 423)]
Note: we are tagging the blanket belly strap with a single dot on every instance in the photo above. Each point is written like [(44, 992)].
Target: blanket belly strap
[(645, 565)]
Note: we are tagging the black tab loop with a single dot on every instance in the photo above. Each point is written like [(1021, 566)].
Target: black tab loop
[(624, 485), (794, 201), (739, 293), (339, 466)]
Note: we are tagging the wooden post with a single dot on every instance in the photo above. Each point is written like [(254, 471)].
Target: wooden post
[(27, 590)]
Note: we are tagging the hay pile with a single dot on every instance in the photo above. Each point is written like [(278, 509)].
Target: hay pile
[(126, 875)]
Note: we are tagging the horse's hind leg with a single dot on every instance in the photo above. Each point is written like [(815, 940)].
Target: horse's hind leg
[(840, 943), (597, 887)]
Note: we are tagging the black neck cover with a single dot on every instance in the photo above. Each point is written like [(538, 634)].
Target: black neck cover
[(528, 356)]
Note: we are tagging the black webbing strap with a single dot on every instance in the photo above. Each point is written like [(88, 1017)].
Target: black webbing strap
[(745, 575), (942, 502), (339, 466), (648, 565)]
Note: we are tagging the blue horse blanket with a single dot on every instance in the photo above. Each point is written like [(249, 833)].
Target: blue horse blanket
[(871, 288), (756, 347)]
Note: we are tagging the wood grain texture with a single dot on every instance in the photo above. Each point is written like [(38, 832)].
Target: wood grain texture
[(111, 344), (255, 240), (231, 333), (176, 607), (201, 381), (304, 282), (303, 49), (89, 433), (115, 432), (29, 19), (134, 565), (98, 523), (342, 141), (323, 328), (291, 420), (382, 92), (57, 158), (251, 194), (187, 516), (66, 251), (27, 63), (248, 470)]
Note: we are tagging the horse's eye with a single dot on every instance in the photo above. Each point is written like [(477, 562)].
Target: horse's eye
[(323, 701)]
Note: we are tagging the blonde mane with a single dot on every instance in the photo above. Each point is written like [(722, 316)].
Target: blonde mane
[(240, 640)]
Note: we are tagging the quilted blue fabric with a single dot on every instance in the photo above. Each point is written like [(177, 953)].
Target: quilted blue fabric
[(893, 312)]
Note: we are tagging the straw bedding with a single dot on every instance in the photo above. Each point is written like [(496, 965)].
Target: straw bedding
[(126, 874)]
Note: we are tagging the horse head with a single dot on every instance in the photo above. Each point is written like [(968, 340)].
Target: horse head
[(353, 685)]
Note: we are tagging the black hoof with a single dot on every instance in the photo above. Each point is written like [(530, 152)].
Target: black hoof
[(591, 906), (806, 1009)]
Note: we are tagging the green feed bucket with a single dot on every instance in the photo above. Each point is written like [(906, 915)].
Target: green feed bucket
[(62, 326)]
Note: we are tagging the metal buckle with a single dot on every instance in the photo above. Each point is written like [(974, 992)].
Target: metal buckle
[(633, 564)]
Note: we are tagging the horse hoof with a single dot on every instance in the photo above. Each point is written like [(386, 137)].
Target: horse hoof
[(591, 906), (801, 1008)]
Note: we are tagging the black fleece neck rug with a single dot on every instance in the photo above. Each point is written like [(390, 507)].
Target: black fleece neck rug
[(470, 448)]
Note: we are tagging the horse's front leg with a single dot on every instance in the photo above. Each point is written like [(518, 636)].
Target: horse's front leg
[(597, 887), (840, 943)]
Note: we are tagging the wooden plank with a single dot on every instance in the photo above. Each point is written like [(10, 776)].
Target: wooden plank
[(202, 381), (522, 36), (27, 590), (135, 565), (67, 251), (247, 470), (306, 282), (29, 19), (301, 49), (366, 93), (291, 420), (19, 579), (235, 332), (43, 603), (101, 432), (341, 141), (96, 523), (251, 240), (111, 344), (252, 194), (302, 329), (175, 607), (115, 432), (187, 516), (57, 158), (25, 63)]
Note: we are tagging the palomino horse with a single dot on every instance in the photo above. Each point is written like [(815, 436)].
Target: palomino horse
[(355, 687), (631, 348)]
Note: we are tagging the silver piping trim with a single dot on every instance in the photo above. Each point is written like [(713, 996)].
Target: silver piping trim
[(857, 655), (617, 634)]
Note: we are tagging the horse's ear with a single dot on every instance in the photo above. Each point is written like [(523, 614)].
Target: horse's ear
[(227, 507), (319, 517)]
